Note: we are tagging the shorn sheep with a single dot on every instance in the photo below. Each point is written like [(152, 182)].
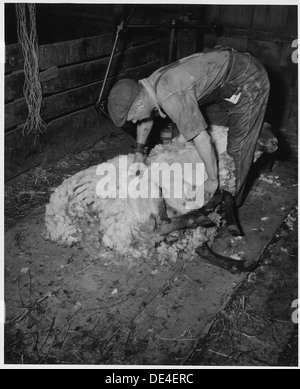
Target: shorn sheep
[(105, 217)]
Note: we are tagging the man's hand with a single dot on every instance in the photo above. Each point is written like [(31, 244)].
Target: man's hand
[(138, 167), (210, 186)]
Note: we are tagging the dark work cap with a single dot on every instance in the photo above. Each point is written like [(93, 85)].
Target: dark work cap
[(120, 99)]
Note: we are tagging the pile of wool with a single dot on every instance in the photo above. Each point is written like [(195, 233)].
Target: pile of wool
[(78, 214), (187, 241)]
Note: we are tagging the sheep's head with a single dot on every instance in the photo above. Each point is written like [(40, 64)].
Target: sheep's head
[(266, 143)]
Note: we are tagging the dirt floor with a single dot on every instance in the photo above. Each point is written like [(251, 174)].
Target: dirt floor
[(65, 307)]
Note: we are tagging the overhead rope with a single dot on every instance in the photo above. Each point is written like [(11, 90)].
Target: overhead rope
[(32, 90)]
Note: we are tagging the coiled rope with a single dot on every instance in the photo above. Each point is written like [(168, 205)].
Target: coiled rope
[(32, 90)]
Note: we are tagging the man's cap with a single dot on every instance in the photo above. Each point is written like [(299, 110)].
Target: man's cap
[(120, 99)]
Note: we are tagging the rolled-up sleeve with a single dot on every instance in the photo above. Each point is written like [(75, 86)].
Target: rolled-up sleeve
[(182, 108)]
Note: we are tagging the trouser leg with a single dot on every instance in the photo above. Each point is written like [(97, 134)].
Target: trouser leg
[(244, 120), (244, 124)]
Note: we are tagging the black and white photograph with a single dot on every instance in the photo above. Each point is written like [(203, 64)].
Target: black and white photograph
[(150, 188)]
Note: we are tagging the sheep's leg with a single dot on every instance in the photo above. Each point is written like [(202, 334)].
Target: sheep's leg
[(231, 222), (162, 212), (193, 218), (212, 204), (199, 217), (181, 222)]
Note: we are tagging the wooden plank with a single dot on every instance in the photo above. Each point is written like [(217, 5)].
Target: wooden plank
[(236, 16), (74, 132), (142, 54), (89, 72), (236, 43), (291, 68), (209, 41), (85, 73), (153, 13), (15, 113), (186, 43), (139, 36), (200, 14), (256, 35), (101, 15), (13, 85), (142, 71), (292, 21), (63, 53), (68, 77), (20, 153), (212, 13), (269, 53), (57, 105), (14, 59), (272, 18), (48, 74)]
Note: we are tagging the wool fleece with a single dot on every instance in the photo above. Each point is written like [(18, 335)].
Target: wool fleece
[(82, 210)]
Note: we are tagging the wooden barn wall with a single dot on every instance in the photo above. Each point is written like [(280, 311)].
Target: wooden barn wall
[(72, 64), (267, 33)]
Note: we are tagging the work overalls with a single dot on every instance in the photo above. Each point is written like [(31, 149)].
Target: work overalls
[(241, 107)]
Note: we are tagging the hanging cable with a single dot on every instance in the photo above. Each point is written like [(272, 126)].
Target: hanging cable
[(32, 90)]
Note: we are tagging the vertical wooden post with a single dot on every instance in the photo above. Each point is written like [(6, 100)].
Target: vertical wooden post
[(171, 46)]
